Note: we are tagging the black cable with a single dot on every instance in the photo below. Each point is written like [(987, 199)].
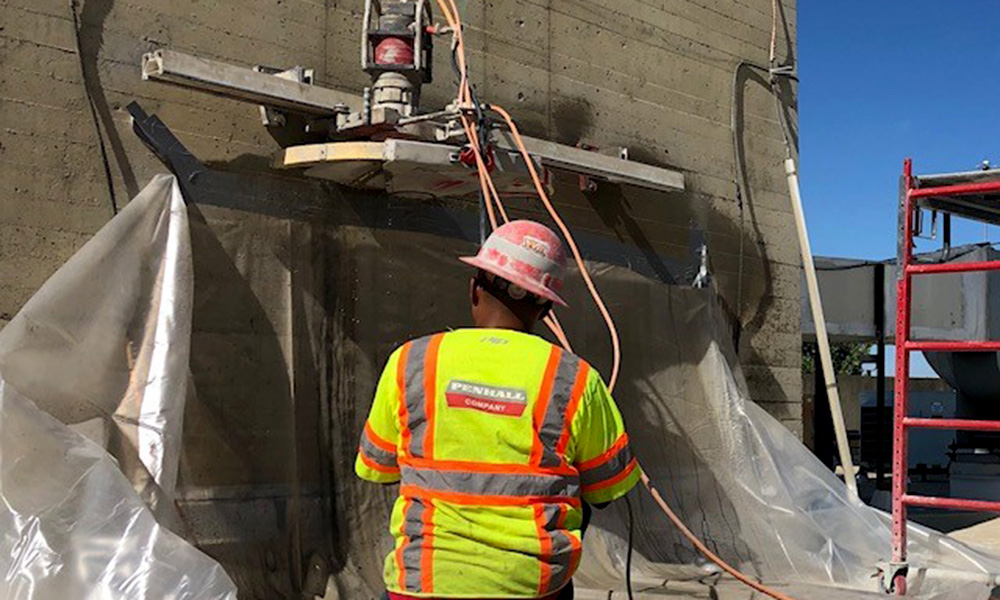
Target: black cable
[(109, 180), (628, 554), (454, 63), (482, 121), (742, 194), (482, 134), (740, 177)]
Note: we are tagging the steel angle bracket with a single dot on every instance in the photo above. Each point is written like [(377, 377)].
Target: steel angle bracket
[(162, 142), (198, 183)]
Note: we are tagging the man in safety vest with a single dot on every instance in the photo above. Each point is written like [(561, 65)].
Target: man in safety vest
[(497, 437)]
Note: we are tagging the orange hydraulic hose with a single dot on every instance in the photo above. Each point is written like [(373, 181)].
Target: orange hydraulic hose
[(487, 186), (608, 319), (552, 322), (500, 206), (704, 549), (485, 179), (484, 188), (691, 537), (491, 195)]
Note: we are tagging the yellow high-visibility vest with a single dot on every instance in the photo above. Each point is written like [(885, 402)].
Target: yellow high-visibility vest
[(495, 436)]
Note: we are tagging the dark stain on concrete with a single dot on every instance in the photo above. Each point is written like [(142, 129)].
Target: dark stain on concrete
[(573, 119)]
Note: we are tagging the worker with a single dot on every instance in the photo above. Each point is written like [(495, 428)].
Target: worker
[(497, 437)]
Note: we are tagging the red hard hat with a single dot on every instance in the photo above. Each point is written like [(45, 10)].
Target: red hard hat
[(528, 255)]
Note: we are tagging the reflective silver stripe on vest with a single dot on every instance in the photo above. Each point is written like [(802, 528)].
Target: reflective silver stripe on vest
[(414, 393), (562, 549), (413, 528), (376, 454), (615, 465), (491, 484), (554, 420)]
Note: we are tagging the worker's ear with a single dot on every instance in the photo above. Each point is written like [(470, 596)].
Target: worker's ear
[(473, 292)]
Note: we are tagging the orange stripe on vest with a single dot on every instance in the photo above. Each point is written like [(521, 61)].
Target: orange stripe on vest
[(610, 482), (430, 409), (593, 463), (404, 416), (406, 540), (483, 500), (374, 465), (545, 549), (574, 402), (377, 441)]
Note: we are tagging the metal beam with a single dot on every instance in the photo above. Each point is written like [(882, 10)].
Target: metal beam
[(241, 83), (969, 207), (244, 84), (585, 162), (942, 179)]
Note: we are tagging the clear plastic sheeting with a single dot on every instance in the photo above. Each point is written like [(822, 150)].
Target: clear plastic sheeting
[(292, 320), (747, 485), (737, 477), (72, 527), (104, 344), (102, 347)]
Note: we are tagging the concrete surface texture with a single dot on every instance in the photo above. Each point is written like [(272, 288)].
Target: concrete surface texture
[(728, 589), (985, 535), (653, 75)]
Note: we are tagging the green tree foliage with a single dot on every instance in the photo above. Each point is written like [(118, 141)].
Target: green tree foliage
[(847, 357)]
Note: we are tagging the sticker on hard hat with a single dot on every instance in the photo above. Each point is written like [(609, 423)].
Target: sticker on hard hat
[(535, 245), (486, 398)]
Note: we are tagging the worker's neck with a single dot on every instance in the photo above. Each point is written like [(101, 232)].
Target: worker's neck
[(503, 321)]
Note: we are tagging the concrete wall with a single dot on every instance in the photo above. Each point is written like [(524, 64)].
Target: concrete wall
[(653, 75)]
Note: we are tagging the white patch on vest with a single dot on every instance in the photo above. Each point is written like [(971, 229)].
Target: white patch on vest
[(486, 398)]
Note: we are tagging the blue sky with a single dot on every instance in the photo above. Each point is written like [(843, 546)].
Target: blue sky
[(881, 81)]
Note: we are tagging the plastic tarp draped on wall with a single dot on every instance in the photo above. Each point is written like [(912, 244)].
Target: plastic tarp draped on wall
[(294, 320), (93, 381), (743, 482), (736, 476)]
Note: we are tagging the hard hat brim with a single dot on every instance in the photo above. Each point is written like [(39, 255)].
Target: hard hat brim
[(531, 286)]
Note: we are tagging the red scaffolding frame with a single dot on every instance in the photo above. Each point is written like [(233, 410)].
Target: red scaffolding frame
[(966, 195)]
